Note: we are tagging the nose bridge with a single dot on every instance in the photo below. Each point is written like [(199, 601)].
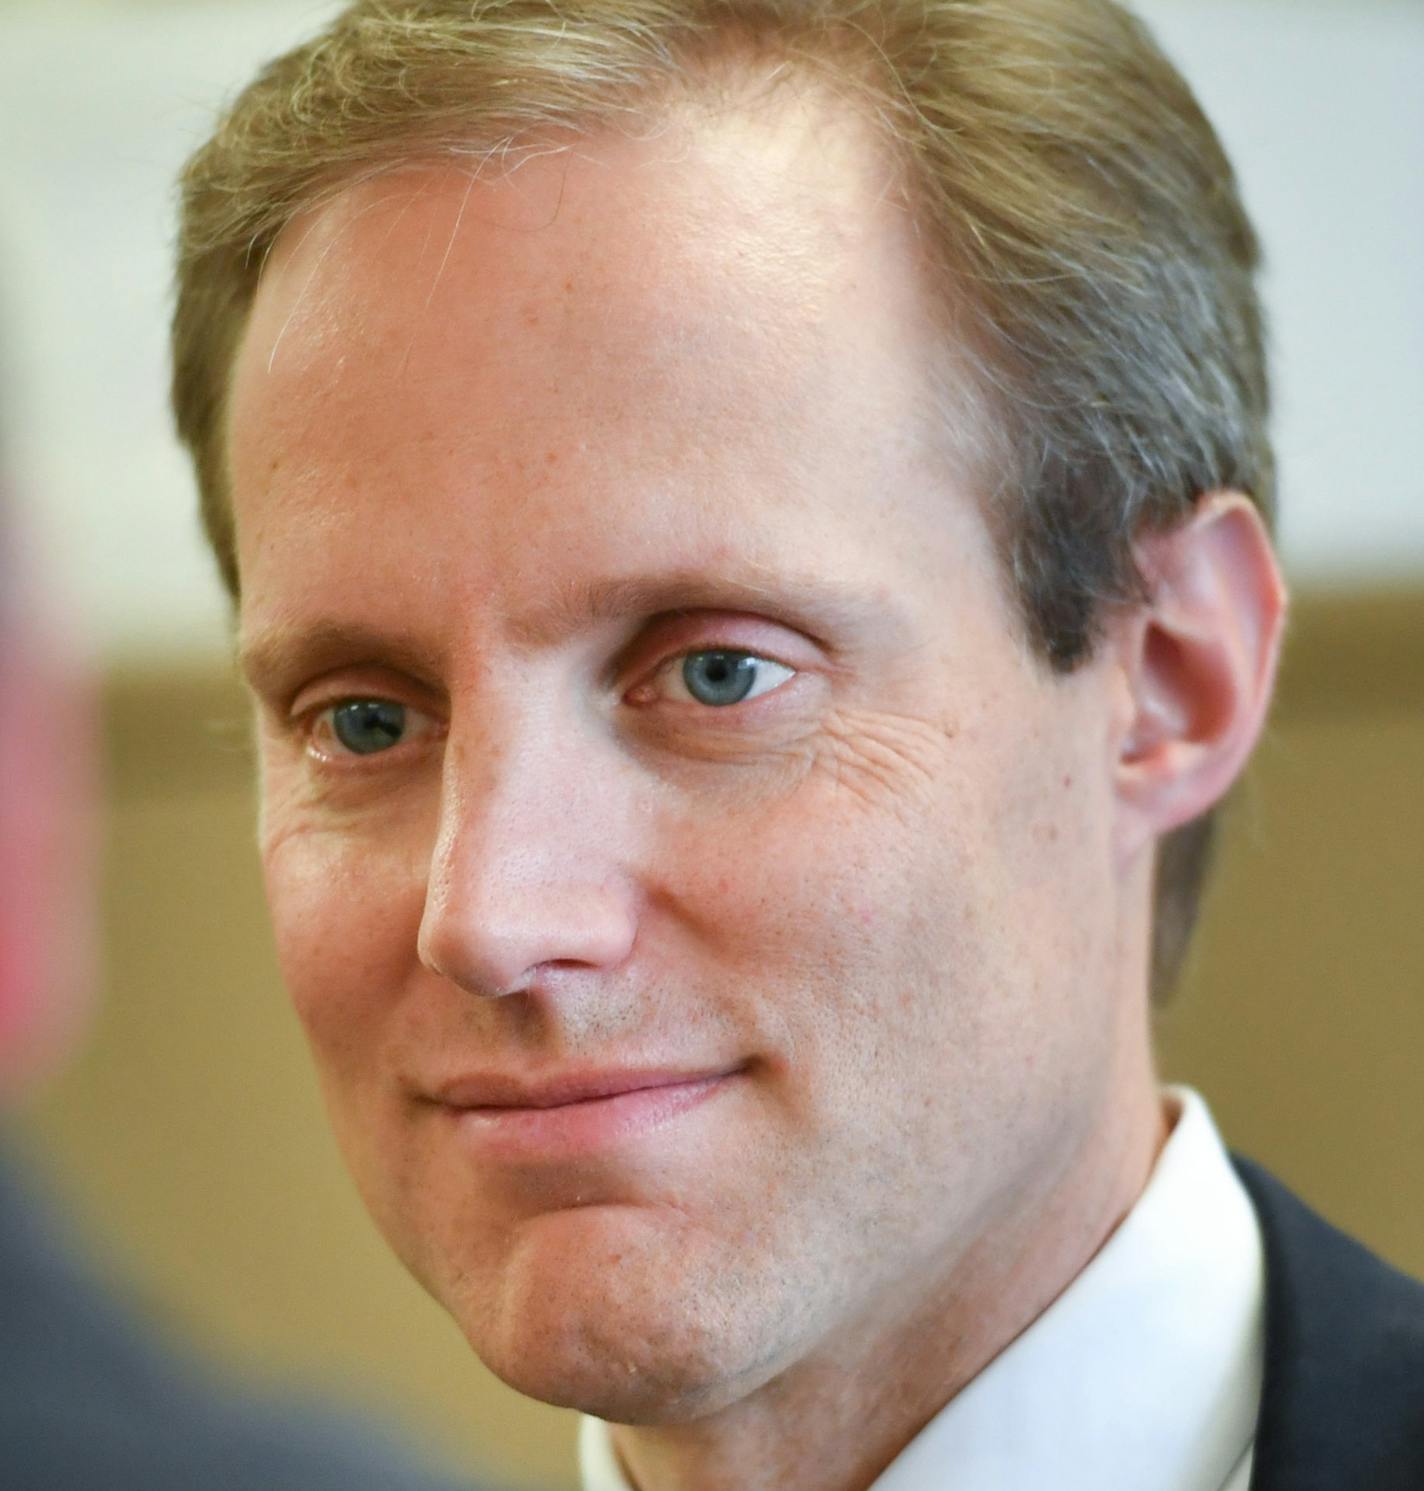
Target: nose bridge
[(529, 864)]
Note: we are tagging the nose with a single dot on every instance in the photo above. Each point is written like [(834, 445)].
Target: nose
[(528, 871)]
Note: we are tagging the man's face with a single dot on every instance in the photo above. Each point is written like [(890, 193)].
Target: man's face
[(641, 708)]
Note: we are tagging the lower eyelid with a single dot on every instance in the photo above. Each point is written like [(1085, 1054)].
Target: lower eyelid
[(314, 726), (671, 667)]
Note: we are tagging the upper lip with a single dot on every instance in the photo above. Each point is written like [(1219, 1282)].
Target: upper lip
[(501, 1090)]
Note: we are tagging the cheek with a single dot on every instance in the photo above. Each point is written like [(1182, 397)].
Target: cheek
[(837, 919), (920, 898), (345, 916)]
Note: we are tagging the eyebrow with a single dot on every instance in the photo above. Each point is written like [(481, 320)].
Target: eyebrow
[(272, 658), (841, 618)]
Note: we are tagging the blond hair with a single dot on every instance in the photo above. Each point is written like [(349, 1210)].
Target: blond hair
[(1082, 215)]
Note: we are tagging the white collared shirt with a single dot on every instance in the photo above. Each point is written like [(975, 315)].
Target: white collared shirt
[(1145, 1373)]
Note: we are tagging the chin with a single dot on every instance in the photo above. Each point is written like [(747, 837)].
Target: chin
[(612, 1387), (597, 1310)]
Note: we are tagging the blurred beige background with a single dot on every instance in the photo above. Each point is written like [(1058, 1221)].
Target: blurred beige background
[(190, 1133)]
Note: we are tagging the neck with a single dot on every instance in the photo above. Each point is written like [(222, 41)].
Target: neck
[(838, 1418)]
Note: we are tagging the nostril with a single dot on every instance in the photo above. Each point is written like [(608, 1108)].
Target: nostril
[(497, 949)]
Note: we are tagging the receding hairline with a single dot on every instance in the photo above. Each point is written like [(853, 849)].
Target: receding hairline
[(733, 70), (738, 88), (965, 445)]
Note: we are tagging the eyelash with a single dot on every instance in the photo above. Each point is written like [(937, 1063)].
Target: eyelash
[(331, 752), (672, 667), (315, 723)]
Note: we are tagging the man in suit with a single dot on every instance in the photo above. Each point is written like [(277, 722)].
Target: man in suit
[(89, 1394), (749, 524)]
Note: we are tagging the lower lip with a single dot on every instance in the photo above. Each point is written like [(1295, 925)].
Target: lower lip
[(585, 1127)]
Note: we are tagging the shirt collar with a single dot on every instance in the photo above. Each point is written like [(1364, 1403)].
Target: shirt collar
[(1145, 1372)]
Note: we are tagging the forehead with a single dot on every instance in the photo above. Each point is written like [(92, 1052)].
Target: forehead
[(673, 325), (721, 234)]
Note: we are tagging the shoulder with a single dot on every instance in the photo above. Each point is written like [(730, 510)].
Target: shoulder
[(1343, 1394)]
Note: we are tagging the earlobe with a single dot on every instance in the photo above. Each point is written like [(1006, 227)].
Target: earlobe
[(1199, 659)]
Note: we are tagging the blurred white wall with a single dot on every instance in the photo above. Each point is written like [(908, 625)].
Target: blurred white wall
[(1320, 103)]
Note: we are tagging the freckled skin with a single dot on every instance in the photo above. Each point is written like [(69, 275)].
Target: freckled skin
[(885, 893)]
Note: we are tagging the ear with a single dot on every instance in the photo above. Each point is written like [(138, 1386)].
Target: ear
[(1199, 662)]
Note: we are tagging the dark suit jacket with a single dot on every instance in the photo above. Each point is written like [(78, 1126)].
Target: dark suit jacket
[(1342, 1404), (92, 1400)]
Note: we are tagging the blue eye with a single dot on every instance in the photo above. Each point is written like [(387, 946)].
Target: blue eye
[(719, 677), (365, 726)]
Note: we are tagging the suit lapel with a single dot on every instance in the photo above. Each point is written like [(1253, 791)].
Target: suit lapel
[(1342, 1401)]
